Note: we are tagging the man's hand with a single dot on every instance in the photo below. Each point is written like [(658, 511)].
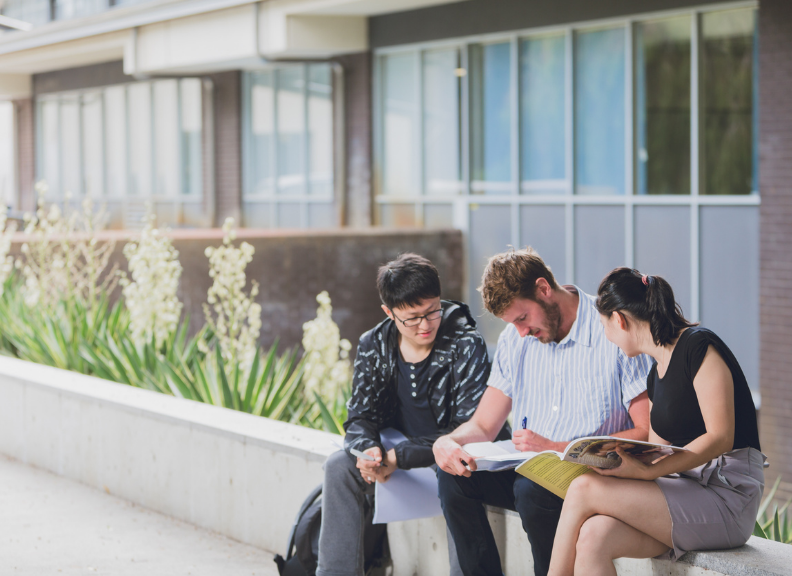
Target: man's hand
[(530, 441), (374, 471), (451, 458)]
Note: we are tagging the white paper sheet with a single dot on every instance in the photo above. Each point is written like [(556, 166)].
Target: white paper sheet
[(408, 494)]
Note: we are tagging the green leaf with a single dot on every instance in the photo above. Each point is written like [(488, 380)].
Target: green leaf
[(759, 531)]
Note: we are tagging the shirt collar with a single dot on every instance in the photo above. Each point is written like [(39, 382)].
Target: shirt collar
[(580, 331)]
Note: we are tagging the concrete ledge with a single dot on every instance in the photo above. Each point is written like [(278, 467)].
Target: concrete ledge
[(245, 476), (236, 474)]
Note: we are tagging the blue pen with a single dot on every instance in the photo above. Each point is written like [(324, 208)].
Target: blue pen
[(525, 422)]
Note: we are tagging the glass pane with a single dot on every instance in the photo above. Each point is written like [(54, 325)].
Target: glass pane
[(48, 167), (256, 215), (490, 112), (321, 215), (191, 127), (71, 177), (75, 8), (7, 178), (116, 140), (544, 228), (166, 138), (542, 108), (663, 106), (729, 76), (320, 129), (441, 122), (599, 112), (438, 216), (662, 246), (490, 233), (400, 125), (397, 215), (35, 12), (599, 244), (291, 130), (730, 307), (259, 171), (140, 148), (93, 144), (289, 215)]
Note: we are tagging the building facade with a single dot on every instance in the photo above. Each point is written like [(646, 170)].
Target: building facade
[(601, 133)]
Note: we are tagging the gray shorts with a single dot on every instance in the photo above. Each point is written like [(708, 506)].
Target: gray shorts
[(714, 506)]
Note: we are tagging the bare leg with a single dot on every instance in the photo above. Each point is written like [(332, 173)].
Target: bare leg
[(636, 503), (603, 539)]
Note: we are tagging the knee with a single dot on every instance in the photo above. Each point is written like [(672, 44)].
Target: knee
[(529, 496), (449, 488), (582, 492), (593, 540), (338, 465)]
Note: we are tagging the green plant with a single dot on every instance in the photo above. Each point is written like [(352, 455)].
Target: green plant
[(776, 525)]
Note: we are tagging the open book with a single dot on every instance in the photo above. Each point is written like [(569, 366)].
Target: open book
[(555, 470)]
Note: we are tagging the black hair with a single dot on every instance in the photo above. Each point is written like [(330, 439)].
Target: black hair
[(407, 280), (646, 298)]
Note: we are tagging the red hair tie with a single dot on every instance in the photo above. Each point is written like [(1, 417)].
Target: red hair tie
[(645, 280)]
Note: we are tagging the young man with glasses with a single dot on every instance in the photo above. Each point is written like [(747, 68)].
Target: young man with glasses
[(422, 372)]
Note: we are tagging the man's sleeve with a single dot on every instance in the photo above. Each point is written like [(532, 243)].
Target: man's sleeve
[(468, 374), (633, 373), (501, 377), (362, 426)]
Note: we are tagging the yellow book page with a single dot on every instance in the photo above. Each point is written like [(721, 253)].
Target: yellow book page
[(552, 473)]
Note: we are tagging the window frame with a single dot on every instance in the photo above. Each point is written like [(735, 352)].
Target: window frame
[(515, 196)]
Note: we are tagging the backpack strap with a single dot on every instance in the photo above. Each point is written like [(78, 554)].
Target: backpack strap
[(315, 493)]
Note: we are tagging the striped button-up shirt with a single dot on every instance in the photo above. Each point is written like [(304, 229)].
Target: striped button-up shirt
[(581, 386)]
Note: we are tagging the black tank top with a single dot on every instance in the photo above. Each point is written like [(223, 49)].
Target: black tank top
[(676, 414)]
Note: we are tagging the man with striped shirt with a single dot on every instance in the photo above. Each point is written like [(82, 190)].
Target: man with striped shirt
[(561, 379)]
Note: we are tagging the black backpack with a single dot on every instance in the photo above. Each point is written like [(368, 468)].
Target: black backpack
[(302, 552)]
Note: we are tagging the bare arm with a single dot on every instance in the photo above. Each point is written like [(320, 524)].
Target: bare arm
[(715, 391), (640, 406), (484, 426)]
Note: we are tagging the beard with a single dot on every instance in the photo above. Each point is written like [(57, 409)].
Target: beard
[(553, 319)]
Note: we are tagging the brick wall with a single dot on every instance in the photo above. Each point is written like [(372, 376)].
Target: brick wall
[(357, 119), (775, 108), (26, 154), (227, 127)]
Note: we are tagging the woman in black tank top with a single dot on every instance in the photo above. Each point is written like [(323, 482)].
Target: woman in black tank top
[(704, 498)]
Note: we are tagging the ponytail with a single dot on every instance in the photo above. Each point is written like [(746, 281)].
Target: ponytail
[(646, 298)]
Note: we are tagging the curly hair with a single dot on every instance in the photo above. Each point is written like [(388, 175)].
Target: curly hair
[(513, 274)]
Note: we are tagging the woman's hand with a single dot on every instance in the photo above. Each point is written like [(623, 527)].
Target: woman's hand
[(630, 467)]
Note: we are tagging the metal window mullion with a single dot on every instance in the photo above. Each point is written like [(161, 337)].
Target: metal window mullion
[(378, 112), (103, 136), (180, 145), (695, 168), (419, 147), (152, 146), (514, 102), (274, 216), (80, 148), (306, 149), (629, 144), (569, 125)]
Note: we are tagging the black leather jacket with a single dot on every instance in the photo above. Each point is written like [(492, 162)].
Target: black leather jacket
[(457, 374)]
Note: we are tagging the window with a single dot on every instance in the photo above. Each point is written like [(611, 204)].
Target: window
[(631, 143), (287, 160), (124, 146)]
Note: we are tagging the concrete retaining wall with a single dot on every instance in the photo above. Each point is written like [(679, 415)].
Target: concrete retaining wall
[(241, 475)]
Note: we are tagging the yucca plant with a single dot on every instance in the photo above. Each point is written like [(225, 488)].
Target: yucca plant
[(775, 525)]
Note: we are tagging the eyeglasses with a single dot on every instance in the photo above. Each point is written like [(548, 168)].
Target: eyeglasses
[(429, 316)]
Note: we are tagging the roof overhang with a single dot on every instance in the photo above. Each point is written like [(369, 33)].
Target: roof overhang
[(195, 36)]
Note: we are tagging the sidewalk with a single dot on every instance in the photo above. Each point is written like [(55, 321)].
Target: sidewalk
[(52, 525)]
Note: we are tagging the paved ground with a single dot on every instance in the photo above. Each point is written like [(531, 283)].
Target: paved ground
[(52, 525)]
